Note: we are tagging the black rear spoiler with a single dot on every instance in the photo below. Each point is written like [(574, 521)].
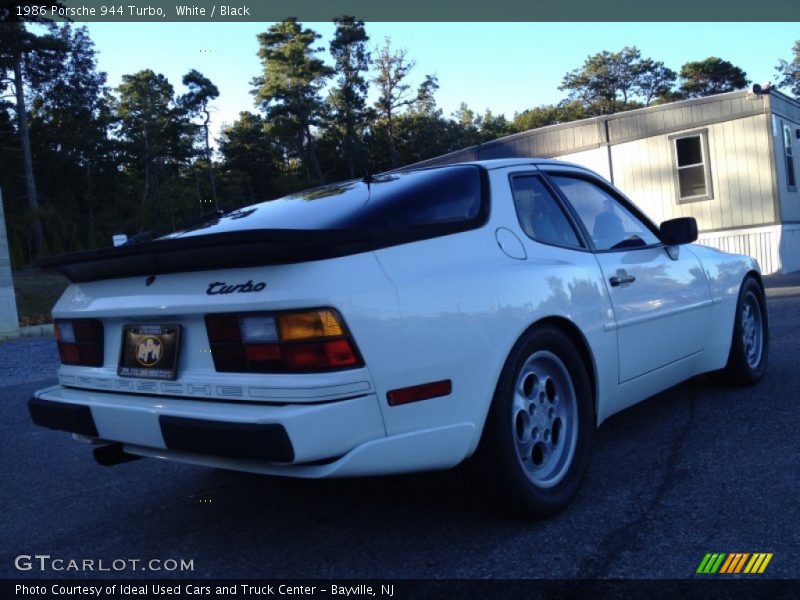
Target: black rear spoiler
[(233, 249), (226, 250)]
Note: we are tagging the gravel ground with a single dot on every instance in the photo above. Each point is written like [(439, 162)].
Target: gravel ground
[(28, 359)]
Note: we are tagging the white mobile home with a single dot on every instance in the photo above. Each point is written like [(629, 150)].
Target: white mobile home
[(729, 161)]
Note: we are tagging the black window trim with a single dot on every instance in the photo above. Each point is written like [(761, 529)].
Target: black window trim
[(703, 135), (616, 194), (585, 245)]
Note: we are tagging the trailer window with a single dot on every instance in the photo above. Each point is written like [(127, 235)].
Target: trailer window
[(791, 181), (692, 173)]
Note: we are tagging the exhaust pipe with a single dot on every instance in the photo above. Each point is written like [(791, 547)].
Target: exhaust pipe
[(112, 454)]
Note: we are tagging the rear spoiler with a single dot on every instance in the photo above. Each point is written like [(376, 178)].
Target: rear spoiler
[(226, 250), (234, 249)]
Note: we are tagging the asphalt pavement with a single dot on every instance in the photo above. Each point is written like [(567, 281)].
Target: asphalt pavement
[(700, 468)]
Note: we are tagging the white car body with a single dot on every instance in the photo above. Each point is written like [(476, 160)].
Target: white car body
[(443, 308)]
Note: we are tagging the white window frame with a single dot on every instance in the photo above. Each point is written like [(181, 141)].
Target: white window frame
[(788, 153), (702, 134)]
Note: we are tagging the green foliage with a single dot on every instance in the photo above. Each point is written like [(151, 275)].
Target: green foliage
[(392, 69), (156, 141), (253, 159), (196, 103), (711, 76), (348, 114), (27, 59), (492, 127), (426, 96), (289, 89), (549, 114), (612, 81), (201, 92), (789, 71)]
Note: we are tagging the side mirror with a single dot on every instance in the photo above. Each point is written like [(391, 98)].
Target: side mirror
[(682, 230)]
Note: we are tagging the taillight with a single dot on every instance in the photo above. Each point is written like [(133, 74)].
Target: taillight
[(80, 341), (281, 342)]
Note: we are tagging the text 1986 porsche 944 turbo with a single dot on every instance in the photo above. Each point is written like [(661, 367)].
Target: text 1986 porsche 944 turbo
[(400, 323)]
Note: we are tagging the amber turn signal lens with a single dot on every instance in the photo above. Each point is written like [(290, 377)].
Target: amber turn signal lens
[(310, 324)]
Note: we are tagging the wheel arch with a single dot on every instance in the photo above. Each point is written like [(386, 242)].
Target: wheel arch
[(573, 332), (581, 345), (755, 275)]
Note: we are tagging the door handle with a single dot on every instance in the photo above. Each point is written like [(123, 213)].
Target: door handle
[(621, 278)]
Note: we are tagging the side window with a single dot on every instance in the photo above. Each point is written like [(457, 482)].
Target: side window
[(540, 216), (609, 223), (692, 174), (788, 153)]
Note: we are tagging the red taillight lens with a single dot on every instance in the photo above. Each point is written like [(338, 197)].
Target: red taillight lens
[(285, 342), (224, 329), (80, 342), (341, 353)]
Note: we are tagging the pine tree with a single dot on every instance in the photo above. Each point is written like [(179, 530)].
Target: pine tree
[(348, 99), (392, 69), (289, 90), (789, 71), (195, 102), (711, 76), (17, 47)]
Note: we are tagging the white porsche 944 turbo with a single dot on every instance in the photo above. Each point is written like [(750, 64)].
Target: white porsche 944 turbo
[(403, 322)]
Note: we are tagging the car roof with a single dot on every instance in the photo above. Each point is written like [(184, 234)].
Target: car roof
[(501, 163)]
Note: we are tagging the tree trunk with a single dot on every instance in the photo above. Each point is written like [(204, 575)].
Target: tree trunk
[(311, 152), (208, 158), (27, 159), (393, 162), (146, 166), (90, 199)]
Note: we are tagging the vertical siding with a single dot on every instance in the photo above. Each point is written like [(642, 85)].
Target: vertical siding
[(789, 200), (740, 175), (775, 247), (596, 160)]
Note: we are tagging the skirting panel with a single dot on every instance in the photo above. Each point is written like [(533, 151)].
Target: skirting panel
[(776, 247)]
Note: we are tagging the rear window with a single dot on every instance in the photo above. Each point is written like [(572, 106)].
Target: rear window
[(391, 201)]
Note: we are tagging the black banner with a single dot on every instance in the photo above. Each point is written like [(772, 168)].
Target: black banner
[(653, 589), (408, 10)]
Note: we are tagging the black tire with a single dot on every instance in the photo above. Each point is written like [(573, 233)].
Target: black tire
[(743, 368), (509, 480)]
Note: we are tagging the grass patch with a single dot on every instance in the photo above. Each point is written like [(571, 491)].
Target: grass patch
[(37, 292)]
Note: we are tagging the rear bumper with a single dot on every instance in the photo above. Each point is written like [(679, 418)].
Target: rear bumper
[(290, 433), (258, 441), (332, 439)]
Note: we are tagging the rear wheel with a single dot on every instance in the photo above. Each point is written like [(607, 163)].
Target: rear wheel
[(536, 443), (747, 361)]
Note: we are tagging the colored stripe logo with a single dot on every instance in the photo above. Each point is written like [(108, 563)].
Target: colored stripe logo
[(731, 563)]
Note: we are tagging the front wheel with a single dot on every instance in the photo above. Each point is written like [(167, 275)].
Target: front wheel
[(537, 439), (747, 361)]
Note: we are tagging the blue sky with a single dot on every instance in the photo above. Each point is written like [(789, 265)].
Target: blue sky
[(506, 67)]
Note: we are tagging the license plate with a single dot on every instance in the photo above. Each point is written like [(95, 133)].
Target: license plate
[(149, 351)]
